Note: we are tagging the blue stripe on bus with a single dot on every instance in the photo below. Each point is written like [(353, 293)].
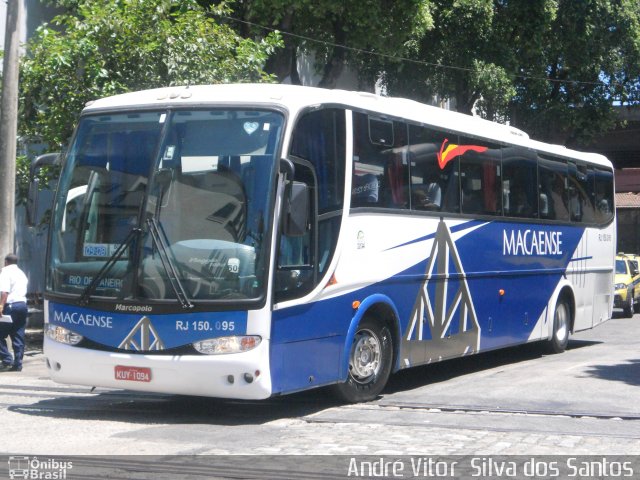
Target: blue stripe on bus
[(579, 259), (173, 330), (457, 228), (301, 333)]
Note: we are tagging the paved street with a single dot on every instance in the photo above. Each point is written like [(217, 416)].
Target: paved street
[(516, 401)]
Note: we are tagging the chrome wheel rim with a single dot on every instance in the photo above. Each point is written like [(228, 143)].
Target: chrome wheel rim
[(366, 355)]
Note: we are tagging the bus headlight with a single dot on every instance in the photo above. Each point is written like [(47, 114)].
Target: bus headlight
[(62, 335), (221, 345)]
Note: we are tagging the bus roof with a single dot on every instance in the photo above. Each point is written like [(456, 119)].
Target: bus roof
[(294, 98)]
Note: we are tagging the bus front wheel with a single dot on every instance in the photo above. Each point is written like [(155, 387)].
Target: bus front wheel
[(561, 325), (370, 360)]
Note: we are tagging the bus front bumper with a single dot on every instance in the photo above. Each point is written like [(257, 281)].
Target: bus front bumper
[(242, 375)]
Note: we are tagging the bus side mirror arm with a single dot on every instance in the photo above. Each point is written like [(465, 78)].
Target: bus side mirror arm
[(287, 167), (32, 201), (34, 184), (288, 170)]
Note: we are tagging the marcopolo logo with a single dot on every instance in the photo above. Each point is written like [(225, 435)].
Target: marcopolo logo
[(133, 308), (35, 468)]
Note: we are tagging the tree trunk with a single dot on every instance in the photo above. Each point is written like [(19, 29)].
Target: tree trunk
[(284, 63), (9, 126), (335, 63)]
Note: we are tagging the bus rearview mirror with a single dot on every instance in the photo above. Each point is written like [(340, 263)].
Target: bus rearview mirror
[(32, 202), (32, 210), (297, 210)]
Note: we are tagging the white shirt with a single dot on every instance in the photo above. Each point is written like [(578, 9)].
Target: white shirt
[(14, 282)]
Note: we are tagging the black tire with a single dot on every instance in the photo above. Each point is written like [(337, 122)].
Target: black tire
[(561, 325), (629, 308), (370, 361), (636, 305)]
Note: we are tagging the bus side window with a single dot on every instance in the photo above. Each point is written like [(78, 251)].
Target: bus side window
[(318, 147), (395, 186), (603, 198), (471, 189), (580, 179), (380, 160), (519, 184), (552, 172), (434, 185), (480, 177)]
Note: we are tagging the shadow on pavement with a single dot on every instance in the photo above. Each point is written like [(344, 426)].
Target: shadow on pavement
[(440, 372), (149, 408), (628, 372)]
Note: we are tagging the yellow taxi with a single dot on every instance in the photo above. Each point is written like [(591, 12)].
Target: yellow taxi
[(635, 262), (627, 284)]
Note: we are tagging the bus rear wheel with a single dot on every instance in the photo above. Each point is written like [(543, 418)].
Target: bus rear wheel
[(370, 360), (561, 325)]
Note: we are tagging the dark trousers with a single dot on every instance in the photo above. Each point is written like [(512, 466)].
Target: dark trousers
[(16, 331)]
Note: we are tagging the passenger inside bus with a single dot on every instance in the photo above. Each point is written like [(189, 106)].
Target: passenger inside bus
[(521, 205), (472, 201), (428, 197)]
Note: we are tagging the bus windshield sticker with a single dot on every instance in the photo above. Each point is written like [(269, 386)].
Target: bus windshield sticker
[(99, 249), (250, 127)]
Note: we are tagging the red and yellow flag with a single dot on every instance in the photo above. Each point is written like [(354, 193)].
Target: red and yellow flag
[(452, 151)]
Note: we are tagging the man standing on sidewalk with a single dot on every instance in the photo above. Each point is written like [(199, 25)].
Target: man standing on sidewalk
[(13, 302)]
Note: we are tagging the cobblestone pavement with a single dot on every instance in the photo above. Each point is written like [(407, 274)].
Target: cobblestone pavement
[(41, 416)]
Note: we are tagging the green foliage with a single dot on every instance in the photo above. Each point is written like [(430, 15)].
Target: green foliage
[(551, 67), (106, 47), (588, 57), (384, 27), (494, 89)]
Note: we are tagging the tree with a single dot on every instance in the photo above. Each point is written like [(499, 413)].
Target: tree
[(105, 47), (455, 60), (322, 29), (552, 67), (589, 59)]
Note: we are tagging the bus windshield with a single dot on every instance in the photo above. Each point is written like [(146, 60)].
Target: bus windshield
[(161, 205)]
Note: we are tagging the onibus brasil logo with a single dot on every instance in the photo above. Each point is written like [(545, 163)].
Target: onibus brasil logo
[(35, 468)]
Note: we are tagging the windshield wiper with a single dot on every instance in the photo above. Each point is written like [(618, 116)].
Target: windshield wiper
[(167, 263), (111, 261)]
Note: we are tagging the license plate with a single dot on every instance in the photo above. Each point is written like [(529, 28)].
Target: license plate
[(133, 374)]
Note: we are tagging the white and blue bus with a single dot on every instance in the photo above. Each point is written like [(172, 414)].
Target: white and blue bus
[(245, 241)]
